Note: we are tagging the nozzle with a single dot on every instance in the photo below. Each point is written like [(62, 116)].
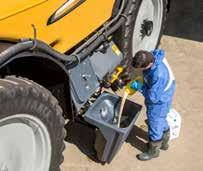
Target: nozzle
[(129, 90)]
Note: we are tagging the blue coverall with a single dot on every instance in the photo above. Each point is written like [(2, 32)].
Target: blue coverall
[(158, 90)]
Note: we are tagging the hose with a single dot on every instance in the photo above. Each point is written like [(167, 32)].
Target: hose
[(69, 60), (99, 40), (95, 36), (102, 37)]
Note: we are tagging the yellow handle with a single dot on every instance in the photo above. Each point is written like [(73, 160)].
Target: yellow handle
[(128, 88), (116, 74)]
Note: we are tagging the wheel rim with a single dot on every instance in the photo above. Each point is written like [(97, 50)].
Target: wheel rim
[(151, 11), (24, 144)]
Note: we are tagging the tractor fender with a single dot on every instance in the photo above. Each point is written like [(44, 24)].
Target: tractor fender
[(38, 57), (35, 54)]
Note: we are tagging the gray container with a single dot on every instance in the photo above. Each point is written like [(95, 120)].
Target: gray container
[(101, 114)]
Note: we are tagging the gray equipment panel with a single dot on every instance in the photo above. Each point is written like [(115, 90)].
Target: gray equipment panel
[(106, 63), (83, 83)]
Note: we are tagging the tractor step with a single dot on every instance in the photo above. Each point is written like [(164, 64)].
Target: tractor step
[(102, 114)]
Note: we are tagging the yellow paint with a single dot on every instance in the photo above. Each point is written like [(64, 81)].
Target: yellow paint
[(18, 15), (116, 50), (12, 7)]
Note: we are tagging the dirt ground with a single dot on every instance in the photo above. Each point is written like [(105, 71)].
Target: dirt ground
[(185, 153)]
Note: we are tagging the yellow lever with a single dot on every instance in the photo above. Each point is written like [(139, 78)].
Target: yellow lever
[(116, 74)]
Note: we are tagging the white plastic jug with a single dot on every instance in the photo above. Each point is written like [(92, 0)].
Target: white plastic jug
[(174, 121)]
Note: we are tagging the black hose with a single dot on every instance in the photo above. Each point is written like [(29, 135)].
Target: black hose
[(102, 37), (13, 50), (99, 40), (107, 25), (70, 60)]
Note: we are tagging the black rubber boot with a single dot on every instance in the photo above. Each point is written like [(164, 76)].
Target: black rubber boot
[(166, 138), (152, 152)]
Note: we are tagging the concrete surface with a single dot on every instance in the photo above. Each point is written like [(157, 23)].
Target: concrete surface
[(185, 153)]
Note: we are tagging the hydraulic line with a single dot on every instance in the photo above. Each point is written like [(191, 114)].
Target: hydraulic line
[(71, 61), (99, 40), (106, 26), (102, 37), (75, 58)]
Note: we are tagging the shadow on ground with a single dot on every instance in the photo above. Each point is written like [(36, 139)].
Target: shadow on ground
[(138, 138), (84, 136), (185, 20)]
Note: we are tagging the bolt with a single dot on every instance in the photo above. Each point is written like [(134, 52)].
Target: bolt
[(147, 28)]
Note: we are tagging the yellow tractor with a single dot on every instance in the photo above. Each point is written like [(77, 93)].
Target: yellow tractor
[(56, 56)]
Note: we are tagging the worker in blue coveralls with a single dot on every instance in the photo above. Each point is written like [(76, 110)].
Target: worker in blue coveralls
[(158, 90)]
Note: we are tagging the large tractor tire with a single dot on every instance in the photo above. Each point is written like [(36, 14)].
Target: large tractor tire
[(31, 127), (143, 28)]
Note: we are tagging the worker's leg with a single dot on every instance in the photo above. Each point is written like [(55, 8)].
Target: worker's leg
[(165, 140), (157, 124), (166, 134), (152, 151)]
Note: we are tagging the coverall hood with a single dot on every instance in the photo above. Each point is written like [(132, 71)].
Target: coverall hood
[(158, 80), (158, 57)]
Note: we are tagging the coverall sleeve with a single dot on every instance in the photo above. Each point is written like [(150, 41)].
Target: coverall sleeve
[(153, 93)]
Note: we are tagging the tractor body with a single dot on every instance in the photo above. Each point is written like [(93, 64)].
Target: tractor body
[(58, 59)]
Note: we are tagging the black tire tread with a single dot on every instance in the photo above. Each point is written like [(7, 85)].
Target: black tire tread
[(26, 95), (123, 37)]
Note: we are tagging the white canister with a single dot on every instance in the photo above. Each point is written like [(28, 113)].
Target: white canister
[(174, 121)]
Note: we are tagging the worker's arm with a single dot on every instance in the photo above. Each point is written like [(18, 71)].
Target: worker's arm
[(156, 88)]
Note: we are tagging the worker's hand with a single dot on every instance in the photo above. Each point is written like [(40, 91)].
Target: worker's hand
[(124, 78), (122, 81), (136, 85)]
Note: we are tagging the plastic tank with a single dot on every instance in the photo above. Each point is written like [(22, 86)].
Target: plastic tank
[(102, 114)]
